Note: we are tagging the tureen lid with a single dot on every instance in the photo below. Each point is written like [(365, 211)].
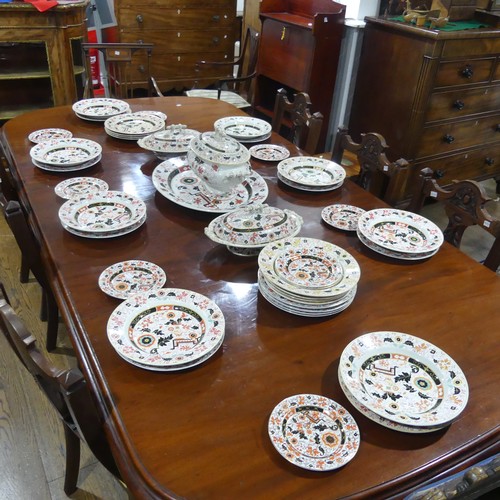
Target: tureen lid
[(254, 226), (216, 147)]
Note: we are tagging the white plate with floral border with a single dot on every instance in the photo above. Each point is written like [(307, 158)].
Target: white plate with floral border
[(243, 127), (169, 327), (269, 152), (342, 216), (48, 134), (404, 379), (314, 432), (123, 279), (65, 152), (100, 108), (311, 171), (80, 186)]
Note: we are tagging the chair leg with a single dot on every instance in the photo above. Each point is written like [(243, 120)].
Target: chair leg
[(24, 274), (43, 306), (52, 322), (72, 461)]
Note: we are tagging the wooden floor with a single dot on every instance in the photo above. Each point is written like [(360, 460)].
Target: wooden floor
[(31, 436)]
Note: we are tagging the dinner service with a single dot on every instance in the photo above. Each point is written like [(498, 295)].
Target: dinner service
[(166, 329), (99, 108), (399, 233), (244, 128), (123, 279), (219, 161), (269, 152), (311, 173), (313, 432), (133, 126), (80, 186), (175, 180), (342, 216), (103, 215), (174, 139), (47, 134), (66, 154), (247, 230), (403, 379)]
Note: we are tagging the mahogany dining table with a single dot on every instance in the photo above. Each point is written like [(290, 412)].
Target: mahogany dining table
[(202, 433)]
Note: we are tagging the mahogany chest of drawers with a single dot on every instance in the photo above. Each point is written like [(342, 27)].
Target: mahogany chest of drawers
[(434, 96), (184, 32)]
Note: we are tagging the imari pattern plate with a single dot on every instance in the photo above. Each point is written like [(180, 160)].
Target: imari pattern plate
[(404, 379), (100, 107), (243, 127), (400, 231), (269, 152), (133, 125), (314, 432), (311, 171), (47, 134), (123, 279), (342, 216), (80, 186), (65, 152), (169, 327)]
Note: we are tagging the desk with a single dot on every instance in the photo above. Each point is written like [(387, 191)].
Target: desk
[(202, 433)]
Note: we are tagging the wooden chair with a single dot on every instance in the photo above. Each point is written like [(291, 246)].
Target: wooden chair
[(295, 121), (233, 89), (68, 393), (464, 204), (378, 175), (125, 70), (30, 250)]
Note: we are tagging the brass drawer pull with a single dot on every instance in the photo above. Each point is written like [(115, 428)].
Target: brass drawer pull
[(139, 19), (439, 174), (216, 40), (489, 161), (216, 18), (141, 69), (467, 72), (459, 104), (448, 138)]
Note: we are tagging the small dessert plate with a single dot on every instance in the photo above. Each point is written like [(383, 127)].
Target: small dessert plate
[(269, 152), (127, 278), (46, 134), (80, 186), (342, 216)]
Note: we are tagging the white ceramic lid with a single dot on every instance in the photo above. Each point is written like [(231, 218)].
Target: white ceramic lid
[(218, 148)]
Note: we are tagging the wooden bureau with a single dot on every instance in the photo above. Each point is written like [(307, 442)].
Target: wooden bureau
[(184, 32), (434, 96)]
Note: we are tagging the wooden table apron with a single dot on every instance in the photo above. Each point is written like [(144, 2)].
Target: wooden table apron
[(202, 433)]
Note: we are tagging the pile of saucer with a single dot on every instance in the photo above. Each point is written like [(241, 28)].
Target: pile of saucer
[(175, 139), (307, 276), (103, 214), (244, 128), (402, 382), (399, 234), (309, 173), (100, 109), (133, 126), (66, 155), (168, 329)]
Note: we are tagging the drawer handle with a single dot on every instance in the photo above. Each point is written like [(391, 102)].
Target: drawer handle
[(439, 174), (216, 40), (216, 18), (467, 72), (448, 138), (489, 161), (458, 104), (139, 19), (141, 69)]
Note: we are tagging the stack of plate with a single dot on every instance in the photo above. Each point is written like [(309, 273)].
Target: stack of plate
[(244, 128), (174, 139), (307, 277), (309, 173), (399, 234), (103, 215), (99, 109), (402, 382), (66, 155), (168, 329), (133, 126)]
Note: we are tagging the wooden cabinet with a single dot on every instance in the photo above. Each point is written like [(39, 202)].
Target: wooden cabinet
[(299, 51), (41, 59), (184, 32), (434, 96)]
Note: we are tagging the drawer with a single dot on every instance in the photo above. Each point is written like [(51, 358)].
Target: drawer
[(464, 72), (449, 137), (147, 17), (470, 47), (216, 40), (459, 103)]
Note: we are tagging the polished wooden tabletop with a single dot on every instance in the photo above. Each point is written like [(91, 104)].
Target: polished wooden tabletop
[(202, 433)]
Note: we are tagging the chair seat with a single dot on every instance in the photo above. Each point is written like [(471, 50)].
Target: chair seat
[(226, 96)]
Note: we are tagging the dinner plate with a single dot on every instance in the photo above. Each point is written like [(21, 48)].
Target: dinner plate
[(243, 127), (342, 216), (48, 134), (169, 327), (404, 378), (100, 108), (67, 168), (107, 234), (312, 189), (400, 231), (101, 213), (314, 432), (123, 279), (133, 126), (175, 180), (311, 171), (269, 152), (65, 152), (80, 186)]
